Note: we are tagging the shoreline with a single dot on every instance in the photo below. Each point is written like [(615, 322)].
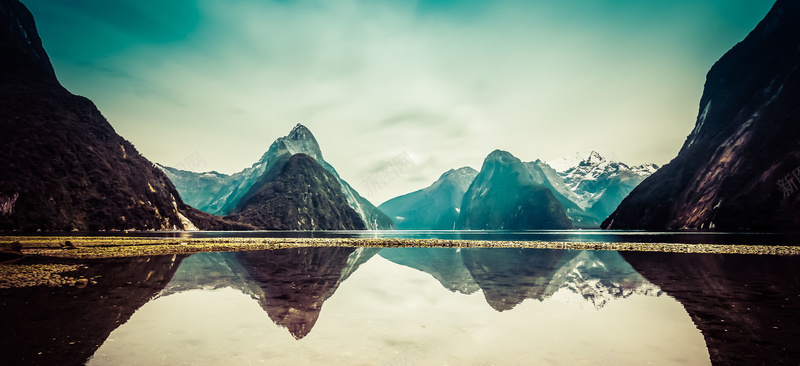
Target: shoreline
[(118, 247), (41, 262)]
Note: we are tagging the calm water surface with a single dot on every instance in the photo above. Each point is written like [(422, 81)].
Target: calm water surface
[(413, 306)]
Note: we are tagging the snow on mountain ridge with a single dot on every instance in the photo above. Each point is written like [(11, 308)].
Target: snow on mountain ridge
[(600, 278), (567, 162), (588, 178)]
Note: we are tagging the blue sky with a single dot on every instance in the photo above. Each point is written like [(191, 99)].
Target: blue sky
[(443, 81)]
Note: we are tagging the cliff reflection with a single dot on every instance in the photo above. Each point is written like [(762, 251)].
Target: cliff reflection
[(65, 325), (745, 305)]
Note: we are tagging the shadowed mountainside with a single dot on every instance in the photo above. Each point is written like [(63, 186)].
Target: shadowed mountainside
[(63, 166), (739, 169), (298, 195)]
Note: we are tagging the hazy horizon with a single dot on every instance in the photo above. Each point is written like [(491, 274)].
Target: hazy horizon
[(211, 84)]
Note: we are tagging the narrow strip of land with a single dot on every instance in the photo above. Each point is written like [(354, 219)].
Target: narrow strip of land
[(114, 247)]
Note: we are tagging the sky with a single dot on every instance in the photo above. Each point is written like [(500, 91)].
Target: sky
[(435, 84)]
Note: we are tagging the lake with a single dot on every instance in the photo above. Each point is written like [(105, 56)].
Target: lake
[(413, 306)]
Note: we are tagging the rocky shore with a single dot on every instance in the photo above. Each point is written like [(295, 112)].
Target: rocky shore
[(21, 273), (114, 247)]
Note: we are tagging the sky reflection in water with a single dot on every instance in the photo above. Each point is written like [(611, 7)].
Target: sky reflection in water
[(409, 306)]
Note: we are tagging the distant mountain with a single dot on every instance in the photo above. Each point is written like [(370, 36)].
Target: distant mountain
[(299, 195), (435, 207), (739, 169), (588, 186), (598, 185), (506, 196), (221, 194), (62, 165)]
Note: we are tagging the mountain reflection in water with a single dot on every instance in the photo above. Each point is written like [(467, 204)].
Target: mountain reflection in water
[(291, 285), (509, 276), (434, 305)]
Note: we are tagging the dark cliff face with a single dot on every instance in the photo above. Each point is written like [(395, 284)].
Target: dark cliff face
[(62, 165), (738, 169), (298, 195), (745, 305), (505, 197), (23, 61)]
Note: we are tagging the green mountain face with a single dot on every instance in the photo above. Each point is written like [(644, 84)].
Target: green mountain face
[(435, 207), (505, 196)]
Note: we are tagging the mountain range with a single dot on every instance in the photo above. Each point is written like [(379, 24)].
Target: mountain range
[(64, 168), (514, 195), (222, 194)]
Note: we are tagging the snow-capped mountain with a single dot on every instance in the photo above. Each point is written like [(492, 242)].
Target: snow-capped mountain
[(435, 207), (508, 195), (587, 186), (220, 194), (597, 184), (567, 162)]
